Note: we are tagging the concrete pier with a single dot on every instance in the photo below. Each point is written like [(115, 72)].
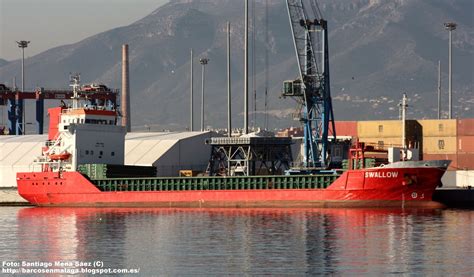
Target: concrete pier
[(10, 197)]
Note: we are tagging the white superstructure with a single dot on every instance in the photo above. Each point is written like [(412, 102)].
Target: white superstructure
[(82, 134)]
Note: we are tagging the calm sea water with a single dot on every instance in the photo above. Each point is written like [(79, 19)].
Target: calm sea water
[(244, 242)]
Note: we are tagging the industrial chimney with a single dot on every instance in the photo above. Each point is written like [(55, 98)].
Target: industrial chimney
[(125, 89)]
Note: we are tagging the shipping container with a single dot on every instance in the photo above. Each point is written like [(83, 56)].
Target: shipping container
[(439, 145), (381, 142), (389, 129), (466, 144), (346, 128), (452, 157), (465, 161), (465, 127), (379, 129), (465, 178), (385, 142), (438, 127)]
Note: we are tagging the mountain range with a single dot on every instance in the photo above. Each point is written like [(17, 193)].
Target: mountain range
[(379, 49)]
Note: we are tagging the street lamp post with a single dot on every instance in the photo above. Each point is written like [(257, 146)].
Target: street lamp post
[(229, 106), (450, 26), (203, 62), (22, 44), (246, 69), (191, 124)]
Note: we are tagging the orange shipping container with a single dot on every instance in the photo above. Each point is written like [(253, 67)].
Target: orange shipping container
[(439, 145), (466, 127), (346, 128), (458, 162), (465, 161), (452, 157), (438, 127), (466, 144)]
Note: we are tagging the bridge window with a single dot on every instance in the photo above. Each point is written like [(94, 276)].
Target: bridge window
[(112, 154), (380, 128)]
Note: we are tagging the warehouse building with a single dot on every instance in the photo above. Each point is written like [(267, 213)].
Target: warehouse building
[(168, 152)]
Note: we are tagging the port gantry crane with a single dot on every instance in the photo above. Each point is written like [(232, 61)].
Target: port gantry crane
[(312, 88)]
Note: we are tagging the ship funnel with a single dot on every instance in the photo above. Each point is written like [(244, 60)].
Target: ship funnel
[(125, 90)]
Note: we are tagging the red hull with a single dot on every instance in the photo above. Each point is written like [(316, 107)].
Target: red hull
[(369, 188)]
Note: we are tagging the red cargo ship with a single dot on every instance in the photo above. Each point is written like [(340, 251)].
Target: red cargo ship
[(372, 187), (88, 135), (83, 138)]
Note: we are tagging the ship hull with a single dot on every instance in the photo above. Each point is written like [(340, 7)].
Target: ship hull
[(377, 187)]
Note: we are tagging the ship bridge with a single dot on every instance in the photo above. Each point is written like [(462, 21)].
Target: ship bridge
[(88, 116)]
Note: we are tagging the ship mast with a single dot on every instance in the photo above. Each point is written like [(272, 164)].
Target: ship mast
[(75, 80), (403, 109)]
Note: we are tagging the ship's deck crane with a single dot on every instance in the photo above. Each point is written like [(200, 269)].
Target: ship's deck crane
[(312, 88)]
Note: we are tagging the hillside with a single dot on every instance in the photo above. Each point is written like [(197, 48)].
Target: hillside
[(3, 62), (378, 50)]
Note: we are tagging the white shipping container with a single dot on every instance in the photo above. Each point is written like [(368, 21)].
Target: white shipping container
[(465, 178)]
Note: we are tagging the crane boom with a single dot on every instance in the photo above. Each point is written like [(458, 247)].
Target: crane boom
[(312, 88)]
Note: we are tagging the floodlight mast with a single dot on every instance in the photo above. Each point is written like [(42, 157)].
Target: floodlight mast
[(450, 26), (22, 44), (203, 62)]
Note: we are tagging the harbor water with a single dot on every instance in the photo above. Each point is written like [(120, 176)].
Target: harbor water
[(183, 242)]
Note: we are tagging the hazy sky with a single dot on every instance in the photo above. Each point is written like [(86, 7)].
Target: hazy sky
[(50, 23)]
